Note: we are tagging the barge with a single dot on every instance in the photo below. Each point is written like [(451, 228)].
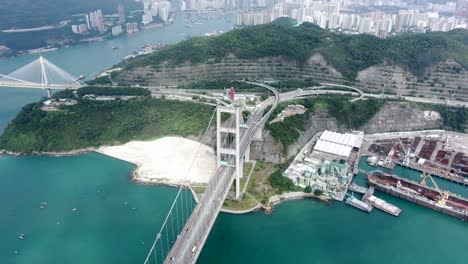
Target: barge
[(420, 194), (380, 204)]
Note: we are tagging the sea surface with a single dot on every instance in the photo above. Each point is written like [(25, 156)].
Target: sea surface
[(309, 231), (115, 220)]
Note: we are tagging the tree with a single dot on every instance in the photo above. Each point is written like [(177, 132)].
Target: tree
[(308, 189), (318, 192)]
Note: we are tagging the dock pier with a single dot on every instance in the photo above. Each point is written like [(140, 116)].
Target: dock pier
[(379, 203), (356, 188)]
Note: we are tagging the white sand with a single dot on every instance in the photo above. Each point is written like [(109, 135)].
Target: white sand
[(167, 160)]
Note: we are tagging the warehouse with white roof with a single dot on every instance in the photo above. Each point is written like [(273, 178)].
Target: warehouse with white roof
[(338, 144)]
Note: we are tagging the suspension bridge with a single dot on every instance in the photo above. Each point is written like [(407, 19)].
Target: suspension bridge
[(41, 74), (187, 226)]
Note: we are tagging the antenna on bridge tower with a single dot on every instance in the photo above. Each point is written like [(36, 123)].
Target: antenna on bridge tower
[(225, 151), (44, 79)]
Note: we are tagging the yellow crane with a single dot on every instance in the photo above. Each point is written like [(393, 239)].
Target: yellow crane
[(444, 195)]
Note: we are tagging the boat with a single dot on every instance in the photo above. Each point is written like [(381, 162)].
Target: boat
[(372, 160), (353, 201), (434, 198), (115, 48)]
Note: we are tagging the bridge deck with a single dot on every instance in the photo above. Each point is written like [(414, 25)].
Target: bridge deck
[(190, 242), (38, 86)]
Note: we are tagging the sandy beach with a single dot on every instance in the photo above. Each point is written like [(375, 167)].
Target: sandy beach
[(167, 160)]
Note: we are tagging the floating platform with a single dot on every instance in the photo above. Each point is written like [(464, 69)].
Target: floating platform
[(353, 201), (380, 204)]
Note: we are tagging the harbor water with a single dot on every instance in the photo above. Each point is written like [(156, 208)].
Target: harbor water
[(115, 220), (309, 231)]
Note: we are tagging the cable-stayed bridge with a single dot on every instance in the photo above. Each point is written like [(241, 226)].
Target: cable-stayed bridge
[(184, 231), (41, 74)]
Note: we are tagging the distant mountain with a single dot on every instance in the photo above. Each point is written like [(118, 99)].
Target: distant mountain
[(36, 13), (348, 54)]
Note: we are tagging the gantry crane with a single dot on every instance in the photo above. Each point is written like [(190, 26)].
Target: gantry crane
[(391, 154), (444, 195)]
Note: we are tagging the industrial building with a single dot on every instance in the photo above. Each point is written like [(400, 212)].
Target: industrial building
[(338, 144), (328, 164)]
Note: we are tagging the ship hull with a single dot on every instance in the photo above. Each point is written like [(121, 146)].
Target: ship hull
[(373, 182)]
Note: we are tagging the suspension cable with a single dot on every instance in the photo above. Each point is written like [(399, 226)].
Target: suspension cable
[(158, 236)]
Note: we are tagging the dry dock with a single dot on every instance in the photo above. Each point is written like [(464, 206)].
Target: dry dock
[(380, 204), (453, 205)]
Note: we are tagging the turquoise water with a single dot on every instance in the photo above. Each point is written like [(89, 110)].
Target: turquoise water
[(308, 231), (103, 229), (114, 222)]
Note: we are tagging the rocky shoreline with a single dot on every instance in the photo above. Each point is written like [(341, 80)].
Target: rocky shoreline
[(277, 199), (46, 153)]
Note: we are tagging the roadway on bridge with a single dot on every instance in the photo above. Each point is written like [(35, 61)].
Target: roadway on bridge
[(40, 74), (190, 242)]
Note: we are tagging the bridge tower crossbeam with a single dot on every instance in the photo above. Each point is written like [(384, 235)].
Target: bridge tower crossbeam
[(222, 151)]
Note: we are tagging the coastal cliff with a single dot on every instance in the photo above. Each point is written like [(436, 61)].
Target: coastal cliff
[(393, 116)]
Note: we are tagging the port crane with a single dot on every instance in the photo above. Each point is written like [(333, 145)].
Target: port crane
[(391, 154), (444, 195), (407, 152)]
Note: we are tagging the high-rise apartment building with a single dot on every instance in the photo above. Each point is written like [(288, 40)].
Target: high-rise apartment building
[(121, 14), (97, 20)]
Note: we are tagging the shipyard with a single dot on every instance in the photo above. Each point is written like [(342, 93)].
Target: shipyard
[(329, 164)]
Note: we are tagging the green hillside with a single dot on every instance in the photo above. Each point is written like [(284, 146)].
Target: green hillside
[(94, 123), (347, 53)]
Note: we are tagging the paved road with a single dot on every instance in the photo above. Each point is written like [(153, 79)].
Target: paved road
[(408, 98), (191, 240), (324, 88)]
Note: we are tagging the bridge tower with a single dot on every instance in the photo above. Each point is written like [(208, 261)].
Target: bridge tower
[(44, 78), (226, 154)]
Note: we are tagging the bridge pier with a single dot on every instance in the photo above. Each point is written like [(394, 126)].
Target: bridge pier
[(49, 93), (247, 155), (223, 151)]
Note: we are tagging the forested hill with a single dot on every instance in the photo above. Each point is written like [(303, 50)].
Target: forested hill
[(36, 13), (347, 53)]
